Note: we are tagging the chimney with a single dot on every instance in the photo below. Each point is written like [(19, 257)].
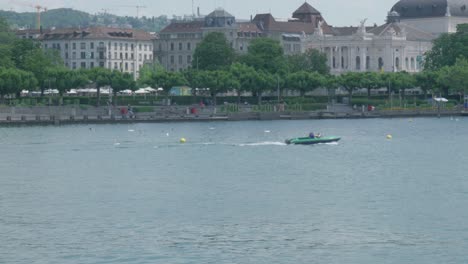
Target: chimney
[(251, 18), (198, 11)]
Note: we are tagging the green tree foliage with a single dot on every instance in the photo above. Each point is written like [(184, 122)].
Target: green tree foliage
[(312, 61), (447, 49), (370, 81), (69, 18), (167, 80), (304, 81), (265, 54), (244, 77), (453, 79), (350, 81), (213, 53), (12, 81), (426, 80)]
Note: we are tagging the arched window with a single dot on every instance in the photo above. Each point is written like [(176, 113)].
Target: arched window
[(358, 63), (412, 64), (381, 63), (342, 63), (397, 63), (367, 63), (334, 63), (407, 63)]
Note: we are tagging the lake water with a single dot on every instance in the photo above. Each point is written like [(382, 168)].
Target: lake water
[(234, 193)]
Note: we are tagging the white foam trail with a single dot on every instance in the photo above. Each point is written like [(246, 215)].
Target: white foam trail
[(266, 143), (332, 143), (131, 130), (267, 131)]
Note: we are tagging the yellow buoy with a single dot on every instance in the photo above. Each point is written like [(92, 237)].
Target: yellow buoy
[(183, 140), (389, 136)]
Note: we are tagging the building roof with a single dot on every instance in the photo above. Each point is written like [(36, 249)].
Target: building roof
[(248, 27), (431, 8), (184, 27), (306, 8), (97, 33), (219, 13), (266, 22), (411, 33)]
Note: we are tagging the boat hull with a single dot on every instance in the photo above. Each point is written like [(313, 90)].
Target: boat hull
[(311, 141)]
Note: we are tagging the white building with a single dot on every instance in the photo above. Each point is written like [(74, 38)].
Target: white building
[(433, 16), (126, 50)]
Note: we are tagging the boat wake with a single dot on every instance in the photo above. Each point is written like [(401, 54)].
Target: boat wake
[(266, 143)]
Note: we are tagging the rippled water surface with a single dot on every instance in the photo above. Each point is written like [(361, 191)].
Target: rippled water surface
[(234, 193)]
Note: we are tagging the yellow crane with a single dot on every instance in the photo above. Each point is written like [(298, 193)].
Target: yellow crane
[(39, 9)]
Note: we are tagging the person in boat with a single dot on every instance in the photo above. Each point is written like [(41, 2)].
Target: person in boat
[(311, 135)]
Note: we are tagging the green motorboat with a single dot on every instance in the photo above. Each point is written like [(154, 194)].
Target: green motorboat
[(310, 141)]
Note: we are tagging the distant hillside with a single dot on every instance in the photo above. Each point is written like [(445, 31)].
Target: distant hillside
[(66, 17)]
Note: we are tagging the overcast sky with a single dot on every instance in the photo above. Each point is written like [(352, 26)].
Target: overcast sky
[(335, 12)]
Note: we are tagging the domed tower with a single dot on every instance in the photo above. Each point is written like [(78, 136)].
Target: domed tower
[(434, 16), (219, 18), (308, 14)]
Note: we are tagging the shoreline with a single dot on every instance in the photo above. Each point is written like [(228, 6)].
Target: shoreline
[(28, 120)]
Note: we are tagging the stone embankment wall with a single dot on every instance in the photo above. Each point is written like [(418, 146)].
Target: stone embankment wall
[(69, 114)]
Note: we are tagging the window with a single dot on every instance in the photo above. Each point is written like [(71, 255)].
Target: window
[(121, 55), (74, 65), (180, 46), (139, 57), (83, 65), (91, 45), (189, 59), (101, 55), (109, 65), (358, 63), (115, 55), (172, 58), (146, 57), (139, 46), (73, 55), (115, 65), (91, 65), (381, 63), (66, 55), (66, 45), (189, 46), (92, 55), (367, 63), (126, 66), (126, 56), (109, 55), (74, 47), (82, 45), (150, 57), (101, 64), (126, 46), (172, 46), (83, 55), (145, 47), (132, 56), (121, 46), (115, 46), (180, 59), (131, 47)]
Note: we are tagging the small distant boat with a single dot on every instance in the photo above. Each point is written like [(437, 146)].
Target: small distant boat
[(310, 141)]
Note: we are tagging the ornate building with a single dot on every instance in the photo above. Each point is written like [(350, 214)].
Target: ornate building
[(397, 45)]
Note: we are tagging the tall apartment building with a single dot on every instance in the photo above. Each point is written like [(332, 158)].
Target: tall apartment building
[(177, 42), (126, 50)]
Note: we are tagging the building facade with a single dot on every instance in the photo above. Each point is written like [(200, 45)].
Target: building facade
[(398, 45), (125, 50)]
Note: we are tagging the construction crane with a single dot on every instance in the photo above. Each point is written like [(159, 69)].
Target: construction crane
[(136, 6), (39, 9)]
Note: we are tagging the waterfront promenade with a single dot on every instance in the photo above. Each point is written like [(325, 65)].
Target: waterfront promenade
[(70, 115)]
